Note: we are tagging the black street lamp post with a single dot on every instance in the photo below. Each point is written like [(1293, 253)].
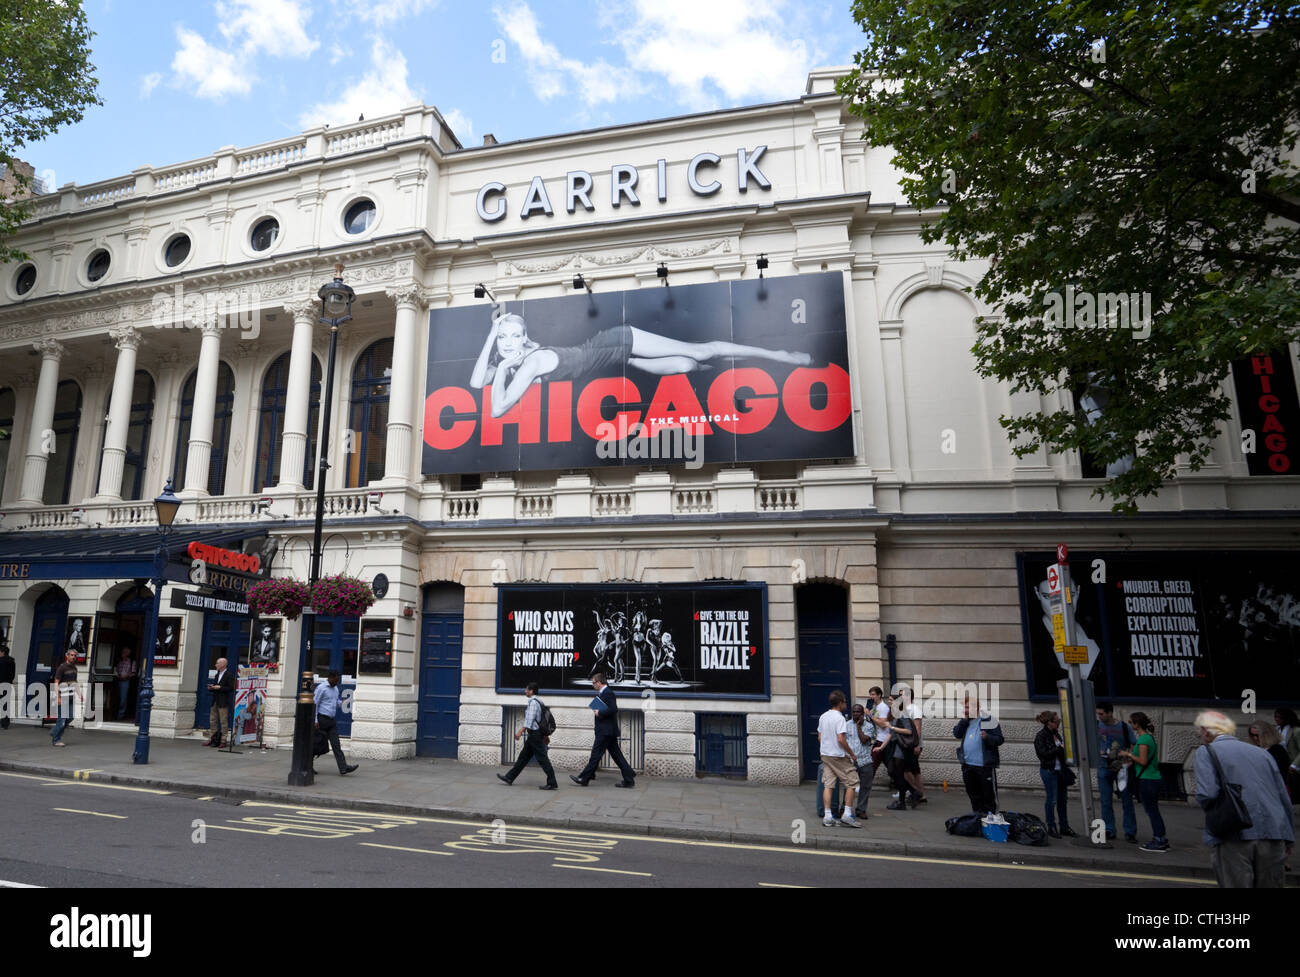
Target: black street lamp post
[(165, 507), (336, 309)]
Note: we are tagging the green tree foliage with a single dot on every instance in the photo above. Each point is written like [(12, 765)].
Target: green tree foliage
[(1145, 148), (46, 81)]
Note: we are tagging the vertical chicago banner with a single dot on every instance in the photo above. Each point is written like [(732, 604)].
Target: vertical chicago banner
[(1270, 413), (723, 372)]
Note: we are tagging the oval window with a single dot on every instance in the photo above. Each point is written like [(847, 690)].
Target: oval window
[(97, 266), (265, 233), (178, 249), (25, 280), (359, 217)]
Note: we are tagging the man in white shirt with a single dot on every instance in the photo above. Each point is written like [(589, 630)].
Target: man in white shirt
[(911, 758), (880, 719), (837, 761)]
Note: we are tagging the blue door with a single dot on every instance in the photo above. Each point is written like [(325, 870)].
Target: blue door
[(46, 649), (823, 615), (224, 636), (334, 648), (441, 637)]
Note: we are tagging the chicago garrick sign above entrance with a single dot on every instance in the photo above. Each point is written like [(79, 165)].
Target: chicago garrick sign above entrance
[(742, 371)]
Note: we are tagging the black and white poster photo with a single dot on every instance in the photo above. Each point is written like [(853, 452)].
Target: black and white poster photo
[(265, 645), (78, 637)]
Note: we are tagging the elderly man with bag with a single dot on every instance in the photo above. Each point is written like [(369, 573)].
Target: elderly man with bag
[(1248, 818)]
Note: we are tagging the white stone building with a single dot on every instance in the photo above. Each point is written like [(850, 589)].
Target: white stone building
[(167, 325)]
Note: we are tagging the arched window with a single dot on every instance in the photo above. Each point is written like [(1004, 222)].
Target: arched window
[(368, 419), (67, 418), (270, 425), (137, 435), (7, 402), (222, 412)]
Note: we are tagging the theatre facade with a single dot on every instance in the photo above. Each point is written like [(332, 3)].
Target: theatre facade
[(687, 401)]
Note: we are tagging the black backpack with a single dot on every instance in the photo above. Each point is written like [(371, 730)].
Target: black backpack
[(546, 726)]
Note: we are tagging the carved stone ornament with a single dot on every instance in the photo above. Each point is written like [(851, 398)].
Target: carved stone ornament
[(125, 337), (406, 293), (302, 307), (50, 349)]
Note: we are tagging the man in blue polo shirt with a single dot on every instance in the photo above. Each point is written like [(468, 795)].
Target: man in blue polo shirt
[(1114, 736), (327, 709)]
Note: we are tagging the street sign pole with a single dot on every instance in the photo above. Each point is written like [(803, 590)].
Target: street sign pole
[(1063, 604)]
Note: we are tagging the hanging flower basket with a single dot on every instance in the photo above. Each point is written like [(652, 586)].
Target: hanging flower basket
[(341, 597), (283, 597)]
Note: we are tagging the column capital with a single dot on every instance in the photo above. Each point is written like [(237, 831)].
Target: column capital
[(50, 349), (211, 328), (125, 336), (302, 307), (408, 293)]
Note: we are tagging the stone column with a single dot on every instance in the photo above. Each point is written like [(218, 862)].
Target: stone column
[(40, 439), (297, 402), (119, 413), (409, 299), (202, 415)]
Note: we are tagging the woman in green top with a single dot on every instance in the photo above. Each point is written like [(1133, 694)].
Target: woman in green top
[(1145, 757)]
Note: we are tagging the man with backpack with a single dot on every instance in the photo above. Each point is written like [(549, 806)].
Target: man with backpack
[(1113, 737), (539, 724)]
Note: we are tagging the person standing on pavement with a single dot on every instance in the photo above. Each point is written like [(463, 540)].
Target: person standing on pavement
[(124, 674), (1254, 857), (978, 738), (1288, 727), (1050, 747), (1146, 764), (1265, 735), (837, 761), (862, 736), (880, 719), (903, 740), (607, 731), (912, 757), (222, 688), (327, 710), (534, 743), (1114, 736), (65, 687), (8, 670)]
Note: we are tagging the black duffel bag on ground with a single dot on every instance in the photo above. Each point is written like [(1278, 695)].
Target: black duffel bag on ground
[(1026, 829), (964, 825)]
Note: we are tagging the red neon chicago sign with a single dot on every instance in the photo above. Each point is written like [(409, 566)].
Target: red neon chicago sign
[(231, 560)]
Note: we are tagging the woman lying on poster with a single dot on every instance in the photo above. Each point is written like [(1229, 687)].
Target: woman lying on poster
[(510, 361)]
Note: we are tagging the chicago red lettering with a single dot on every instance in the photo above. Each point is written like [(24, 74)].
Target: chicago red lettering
[(740, 401), (231, 560)]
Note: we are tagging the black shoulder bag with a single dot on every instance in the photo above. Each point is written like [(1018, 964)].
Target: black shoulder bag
[(1227, 815)]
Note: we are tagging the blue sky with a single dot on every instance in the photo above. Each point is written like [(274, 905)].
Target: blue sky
[(181, 80)]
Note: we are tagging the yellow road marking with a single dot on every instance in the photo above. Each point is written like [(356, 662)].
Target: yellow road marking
[(45, 781), (781, 885), (73, 810), (785, 850), (593, 868), (421, 851)]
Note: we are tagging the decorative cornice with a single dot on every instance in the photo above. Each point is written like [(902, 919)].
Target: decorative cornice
[(652, 252)]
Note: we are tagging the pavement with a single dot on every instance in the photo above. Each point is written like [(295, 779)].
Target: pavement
[(711, 809)]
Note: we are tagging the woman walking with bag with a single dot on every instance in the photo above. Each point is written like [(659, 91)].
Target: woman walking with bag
[(1145, 757), (1057, 776)]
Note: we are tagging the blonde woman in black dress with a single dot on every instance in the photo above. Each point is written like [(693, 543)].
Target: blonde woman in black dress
[(510, 362)]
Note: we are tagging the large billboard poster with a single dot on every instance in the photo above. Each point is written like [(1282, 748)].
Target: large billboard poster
[(1183, 627), (739, 371), (677, 640)]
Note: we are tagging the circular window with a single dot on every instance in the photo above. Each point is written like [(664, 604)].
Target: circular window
[(359, 217), (97, 266), (178, 249), (264, 234), (25, 280)]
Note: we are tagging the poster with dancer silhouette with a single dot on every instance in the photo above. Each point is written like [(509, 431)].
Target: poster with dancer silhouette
[(1161, 626), (674, 639), (685, 375)]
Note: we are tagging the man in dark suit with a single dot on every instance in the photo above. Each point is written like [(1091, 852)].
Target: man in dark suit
[(222, 688), (606, 737), (8, 669)]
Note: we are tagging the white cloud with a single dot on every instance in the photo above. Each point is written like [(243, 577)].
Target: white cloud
[(461, 124), (743, 49), (381, 91), (381, 13), (552, 74), (148, 83), (212, 72), (275, 27), (250, 27)]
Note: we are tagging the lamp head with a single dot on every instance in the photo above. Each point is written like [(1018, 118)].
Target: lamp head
[(166, 506), (336, 298)]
